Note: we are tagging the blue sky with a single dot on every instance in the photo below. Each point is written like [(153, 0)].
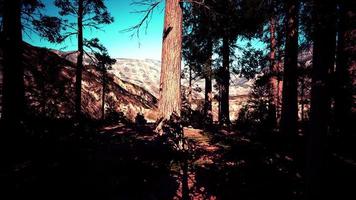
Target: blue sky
[(118, 43)]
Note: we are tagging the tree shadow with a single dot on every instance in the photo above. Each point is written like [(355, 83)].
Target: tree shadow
[(241, 169), (57, 160)]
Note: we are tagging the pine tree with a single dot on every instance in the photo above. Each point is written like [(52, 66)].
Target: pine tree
[(103, 62), (89, 14), (198, 39)]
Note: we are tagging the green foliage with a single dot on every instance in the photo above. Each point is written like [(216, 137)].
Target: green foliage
[(191, 117), (31, 6), (95, 11), (33, 20), (95, 14), (258, 115), (48, 27), (196, 37), (101, 58), (215, 19), (251, 62)]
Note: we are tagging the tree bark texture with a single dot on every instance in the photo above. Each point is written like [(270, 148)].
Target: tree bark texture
[(170, 85)]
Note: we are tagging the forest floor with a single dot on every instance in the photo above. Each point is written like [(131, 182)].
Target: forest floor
[(121, 161)]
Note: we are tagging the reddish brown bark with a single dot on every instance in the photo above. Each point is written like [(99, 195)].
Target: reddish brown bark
[(103, 95), (170, 87), (274, 70)]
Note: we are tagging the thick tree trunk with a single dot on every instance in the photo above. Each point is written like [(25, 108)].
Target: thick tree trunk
[(78, 80), (224, 116), (323, 64), (208, 85), (289, 116), (13, 71), (170, 87), (346, 67)]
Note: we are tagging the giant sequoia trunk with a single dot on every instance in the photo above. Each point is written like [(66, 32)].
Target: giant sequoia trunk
[(13, 82), (78, 74), (346, 67), (323, 64), (208, 84), (224, 115), (170, 88), (289, 96)]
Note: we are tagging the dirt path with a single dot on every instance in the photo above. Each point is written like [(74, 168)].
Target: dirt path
[(207, 154)]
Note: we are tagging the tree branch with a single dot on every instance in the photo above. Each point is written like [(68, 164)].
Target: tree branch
[(146, 17)]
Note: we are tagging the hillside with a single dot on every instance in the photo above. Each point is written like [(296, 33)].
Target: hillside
[(133, 86), (146, 74), (49, 82)]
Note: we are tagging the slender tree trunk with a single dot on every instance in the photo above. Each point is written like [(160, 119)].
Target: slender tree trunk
[(78, 80), (219, 99), (323, 64), (170, 87), (274, 95), (190, 87), (13, 71), (289, 116), (208, 85), (279, 65), (225, 115), (279, 96), (346, 67), (103, 95), (302, 100)]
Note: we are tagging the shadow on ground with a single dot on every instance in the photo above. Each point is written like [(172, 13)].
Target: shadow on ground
[(54, 159)]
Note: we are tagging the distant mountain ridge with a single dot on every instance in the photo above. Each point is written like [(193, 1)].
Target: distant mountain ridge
[(145, 73), (133, 85)]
